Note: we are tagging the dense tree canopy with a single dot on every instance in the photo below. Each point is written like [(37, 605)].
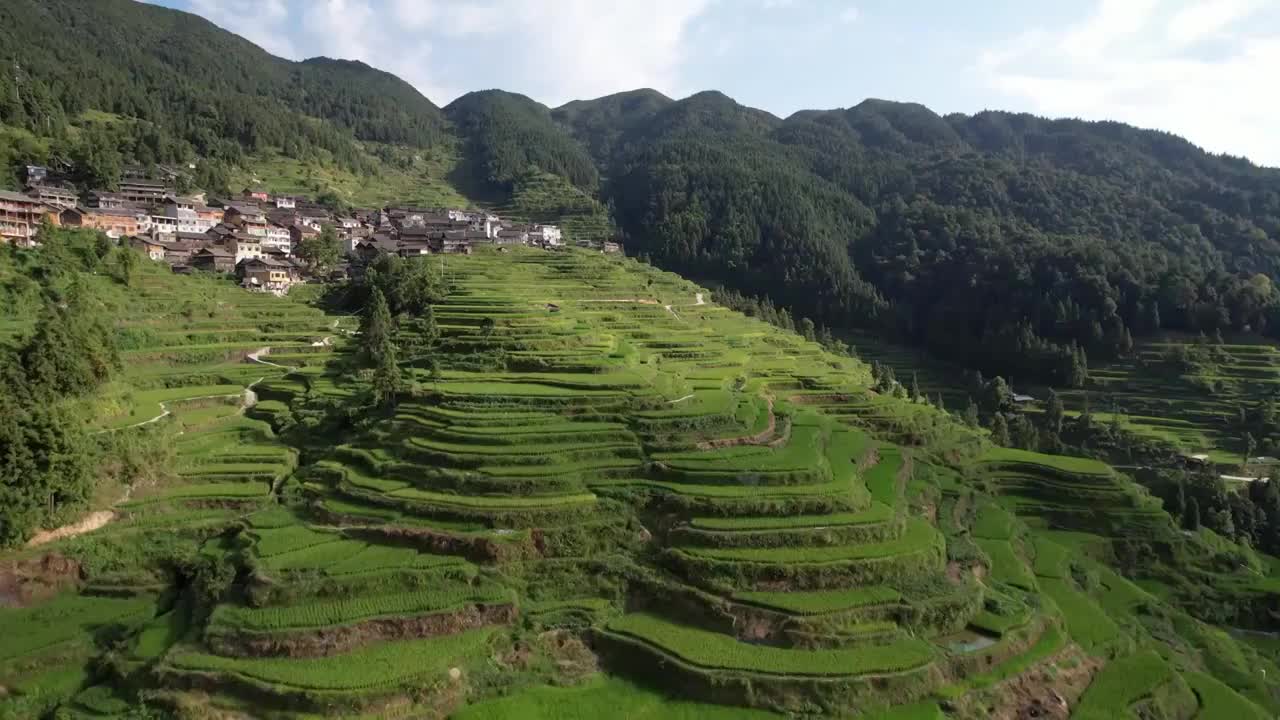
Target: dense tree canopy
[(1008, 242), (505, 135), (184, 89)]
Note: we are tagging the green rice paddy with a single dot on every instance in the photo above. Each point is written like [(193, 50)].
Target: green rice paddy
[(617, 473)]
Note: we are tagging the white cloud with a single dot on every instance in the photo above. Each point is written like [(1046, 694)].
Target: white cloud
[(261, 22), (342, 27), (1198, 21), (582, 48), (413, 14), (849, 15), (1150, 64), (552, 50)]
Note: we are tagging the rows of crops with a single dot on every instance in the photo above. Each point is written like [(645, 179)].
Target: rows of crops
[(720, 652)]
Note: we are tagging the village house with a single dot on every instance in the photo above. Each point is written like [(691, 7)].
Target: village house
[(213, 259), (20, 217), (299, 232), (255, 194), (417, 246), (611, 247), (143, 191), (178, 251), (153, 249), (105, 199), (265, 274), (182, 214), (277, 237), (243, 246), (35, 174), (455, 241), (285, 202), (172, 173), (210, 215), (59, 197), (220, 233), (235, 212), (511, 237), (115, 222), (545, 235)]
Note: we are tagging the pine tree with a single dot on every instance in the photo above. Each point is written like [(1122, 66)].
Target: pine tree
[(915, 388), (375, 325), (435, 373), (1193, 514), (1000, 430), (971, 414), (806, 328), (386, 376), (1054, 413)]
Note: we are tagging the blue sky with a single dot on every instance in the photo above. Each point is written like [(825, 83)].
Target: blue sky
[(1205, 69)]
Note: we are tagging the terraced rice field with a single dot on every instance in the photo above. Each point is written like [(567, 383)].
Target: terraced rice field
[(1192, 410), (606, 469)]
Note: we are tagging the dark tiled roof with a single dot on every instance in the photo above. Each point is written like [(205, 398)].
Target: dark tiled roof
[(16, 197)]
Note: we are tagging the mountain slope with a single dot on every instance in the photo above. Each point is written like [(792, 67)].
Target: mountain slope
[(505, 135), (1003, 241), (598, 123), (1015, 244), (589, 472), (189, 89)]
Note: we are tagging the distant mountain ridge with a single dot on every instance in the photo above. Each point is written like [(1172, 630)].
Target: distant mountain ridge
[(1004, 241)]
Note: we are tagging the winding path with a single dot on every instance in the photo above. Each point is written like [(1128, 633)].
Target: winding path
[(100, 518)]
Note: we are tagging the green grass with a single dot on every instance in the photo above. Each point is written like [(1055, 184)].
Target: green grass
[(882, 479), (1220, 702), (1087, 624), (1051, 559), (422, 182), (350, 610), (918, 536), (1077, 465), (1006, 565), (383, 665), (716, 651), (877, 513), (602, 697), (1122, 683), (927, 710), (822, 601), (993, 522), (63, 619)]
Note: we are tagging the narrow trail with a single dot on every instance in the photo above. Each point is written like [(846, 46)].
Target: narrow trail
[(100, 518), (88, 523), (686, 397), (256, 356)]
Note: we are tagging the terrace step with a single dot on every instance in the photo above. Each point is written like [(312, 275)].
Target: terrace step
[(918, 551), (877, 523), (718, 652)]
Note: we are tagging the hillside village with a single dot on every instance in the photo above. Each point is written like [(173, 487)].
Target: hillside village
[(255, 235)]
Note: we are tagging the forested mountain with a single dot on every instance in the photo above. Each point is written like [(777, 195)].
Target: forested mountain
[(1004, 241), (504, 135), (190, 90), (599, 123), (1009, 242)]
